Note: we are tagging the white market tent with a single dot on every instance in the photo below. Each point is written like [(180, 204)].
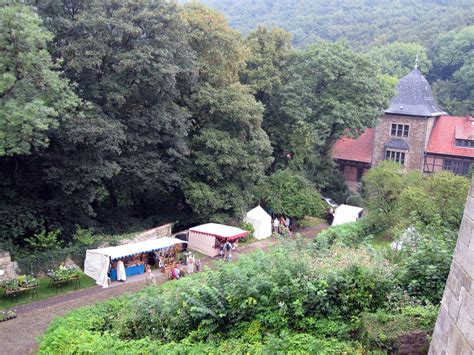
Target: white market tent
[(346, 214), (97, 261), (207, 237), (261, 222)]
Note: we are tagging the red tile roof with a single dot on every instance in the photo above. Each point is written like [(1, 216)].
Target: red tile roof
[(359, 149), (444, 133)]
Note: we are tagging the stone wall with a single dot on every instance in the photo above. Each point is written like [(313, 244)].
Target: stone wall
[(417, 137), (8, 268), (454, 330), (155, 233)]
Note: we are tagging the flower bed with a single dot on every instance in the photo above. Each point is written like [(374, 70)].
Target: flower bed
[(19, 283), (64, 273), (6, 315)]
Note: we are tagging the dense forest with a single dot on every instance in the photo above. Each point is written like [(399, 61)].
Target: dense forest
[(363, 23), (393, 33), (119, 115)]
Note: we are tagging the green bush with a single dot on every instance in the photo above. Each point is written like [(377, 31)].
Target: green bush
[(248, 227), (424, 265), (348, 234), (380, 330), (41, 262), (313, 304)]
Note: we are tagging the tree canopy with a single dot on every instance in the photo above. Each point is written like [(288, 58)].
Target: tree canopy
[(34, 98)]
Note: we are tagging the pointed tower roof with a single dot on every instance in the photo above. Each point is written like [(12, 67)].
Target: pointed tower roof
[(414, 97)]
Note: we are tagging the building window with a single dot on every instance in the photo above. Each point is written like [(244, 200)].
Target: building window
[(458, 167), (464, 143), (400, 130), (395, 156), (360, 173)]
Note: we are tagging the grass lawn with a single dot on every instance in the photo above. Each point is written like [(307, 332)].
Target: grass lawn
[(45, 290), (309, 222)]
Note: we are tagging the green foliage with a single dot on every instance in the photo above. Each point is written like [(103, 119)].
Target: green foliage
[(453, 67), (248, 227), (424, 263), (25, 281), (362, 23), (50, 259), (290, 194), (330, 90), (381, 329), (64, 273), (33, 97), (349, 234), (229, 150), (44, 240), (265, 67), (84, 236), (395, 198), (281, 301), (398, 59)]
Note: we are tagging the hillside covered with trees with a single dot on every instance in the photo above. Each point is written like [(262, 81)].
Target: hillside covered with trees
[(363, 23), (393, 33), (121, 115)]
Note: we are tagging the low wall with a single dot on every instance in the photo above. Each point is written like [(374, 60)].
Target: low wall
[(8, 268)]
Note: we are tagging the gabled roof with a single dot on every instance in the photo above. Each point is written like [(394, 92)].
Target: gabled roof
[(414, 97), (443, 136), (359, 149), (219, 230)]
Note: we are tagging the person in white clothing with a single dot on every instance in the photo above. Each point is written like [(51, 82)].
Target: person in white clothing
[(276, 224), (121, 276), (190, 263)]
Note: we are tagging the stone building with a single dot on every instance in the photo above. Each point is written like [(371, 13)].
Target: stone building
[(414, 131)]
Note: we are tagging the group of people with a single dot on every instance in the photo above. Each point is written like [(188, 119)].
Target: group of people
[(282, 225), (192, 264), (226, 250)]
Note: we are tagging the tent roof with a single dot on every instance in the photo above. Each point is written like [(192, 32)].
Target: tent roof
[(122, 251), (258, 213), (345, 214), (219, 230)]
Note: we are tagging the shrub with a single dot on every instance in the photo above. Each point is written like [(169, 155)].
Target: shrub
[(348, 234), (381, 330), (248, 227), (44, 241), (247, 306)]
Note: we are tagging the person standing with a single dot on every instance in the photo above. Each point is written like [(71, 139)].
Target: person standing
[(190, 263), (276, 224), (149, 277), (121, 275), (198, 265)]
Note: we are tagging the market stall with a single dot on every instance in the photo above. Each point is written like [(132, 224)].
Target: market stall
[(100, 264), (261, 222), (208, 238)]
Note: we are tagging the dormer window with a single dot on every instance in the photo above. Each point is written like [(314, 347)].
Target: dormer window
[(465, 143), (400, 130)]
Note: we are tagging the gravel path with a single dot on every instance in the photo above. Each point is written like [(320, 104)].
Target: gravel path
[(18, 336)]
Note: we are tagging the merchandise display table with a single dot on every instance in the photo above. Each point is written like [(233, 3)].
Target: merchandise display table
[(129, 271)]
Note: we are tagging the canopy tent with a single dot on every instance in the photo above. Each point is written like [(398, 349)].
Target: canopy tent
[(98, 261), (346, 214), (261, 222), (207, 237)]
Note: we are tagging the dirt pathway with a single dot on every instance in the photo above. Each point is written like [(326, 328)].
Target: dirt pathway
[(18, 336)]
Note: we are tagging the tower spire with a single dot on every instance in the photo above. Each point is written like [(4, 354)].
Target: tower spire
[(416, 61)]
